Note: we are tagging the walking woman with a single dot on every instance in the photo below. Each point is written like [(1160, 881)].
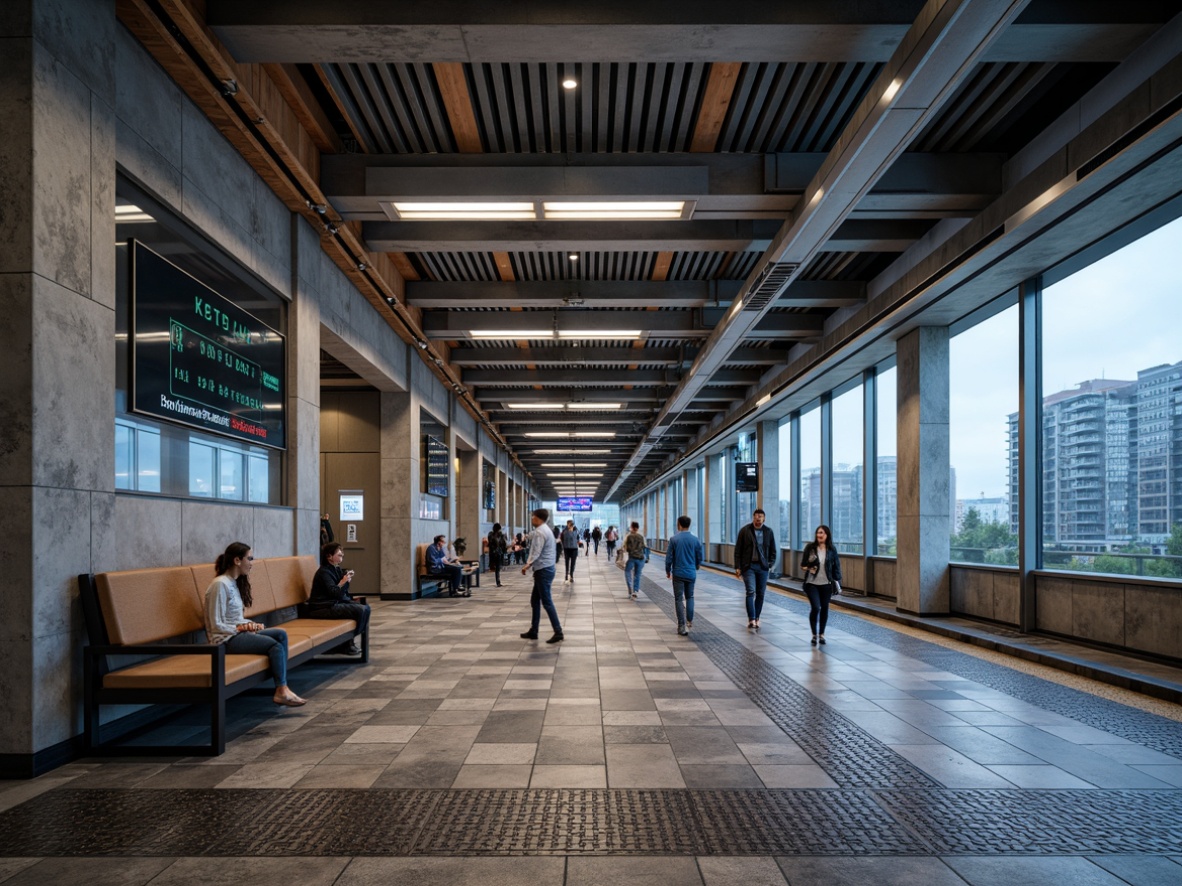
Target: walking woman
[(498, 546), (226, 600), (822, 579)]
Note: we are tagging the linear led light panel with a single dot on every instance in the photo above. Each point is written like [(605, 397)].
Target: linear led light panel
[(575, 465), (466, 210), (569, 406), (614, 209), (630, 334), (556, 434), (570, 451)]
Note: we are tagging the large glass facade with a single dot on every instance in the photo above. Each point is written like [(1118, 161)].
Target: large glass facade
[(784, 522), (846, 477), (983, 388), (1112, 413), (810, 472), (886, 442)]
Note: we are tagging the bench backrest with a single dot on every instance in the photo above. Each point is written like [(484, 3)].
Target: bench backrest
[(421, 558), (148, 605)]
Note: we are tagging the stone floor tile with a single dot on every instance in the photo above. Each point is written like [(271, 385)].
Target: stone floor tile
[(501, 752), (418, 774), (950, 768), (577, 715), (631, 718), (467, 704), (511, 726), (801, 775), (1039, 776), (716, 776), (626, 700), (453, 871), (347, 775), (493, 775), (635, 735), (89, 871), (635, 871), (197, 777), (363, 754), (1030, 871), (704, 744), (740, 871), (11, 866), (1141, 870), (689, 718), (642, 766), (265, 775), (808, 870), (457, 718), (383, 735), (782, 753), (568, 776)]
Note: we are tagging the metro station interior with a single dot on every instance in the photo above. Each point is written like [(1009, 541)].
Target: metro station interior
[(378, 273)]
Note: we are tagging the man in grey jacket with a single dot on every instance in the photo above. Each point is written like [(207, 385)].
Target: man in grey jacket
[(541, 559)]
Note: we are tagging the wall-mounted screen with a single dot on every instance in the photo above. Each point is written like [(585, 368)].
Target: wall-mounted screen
[(200, 360), (490, 495), (747, 476), (571, 505), (352, 505), (437, 467)]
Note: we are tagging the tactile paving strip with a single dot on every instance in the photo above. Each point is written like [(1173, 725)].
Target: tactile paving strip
[(1141, 727), (1065, 822), (849, 754)]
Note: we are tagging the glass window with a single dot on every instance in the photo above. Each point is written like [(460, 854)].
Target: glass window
[(784, 523), (123, 457), (1112, 413), (810, 472), (845, 518), (886, 443), (745, 502), (201, 462), (147, 458), (230, 472), (983, 386), (724, 512), (259, 481)]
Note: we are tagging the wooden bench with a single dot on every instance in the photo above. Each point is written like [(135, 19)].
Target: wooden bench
[(138, 613), (437, 584)]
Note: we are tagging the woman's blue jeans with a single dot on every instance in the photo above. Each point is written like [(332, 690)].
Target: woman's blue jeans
[(271, 642)]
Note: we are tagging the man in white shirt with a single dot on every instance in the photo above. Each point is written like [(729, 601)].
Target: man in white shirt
[(542, 558)]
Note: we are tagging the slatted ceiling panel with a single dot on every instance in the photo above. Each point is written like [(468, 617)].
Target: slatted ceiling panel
[(464, 267), (618, 107), (397, 108), (697, 265), (742, 265), (532, 266), (793, 106)]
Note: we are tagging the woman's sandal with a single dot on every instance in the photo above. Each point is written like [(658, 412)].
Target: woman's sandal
[(294, 702)]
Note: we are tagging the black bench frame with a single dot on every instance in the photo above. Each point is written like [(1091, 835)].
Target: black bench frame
[(95, 666)]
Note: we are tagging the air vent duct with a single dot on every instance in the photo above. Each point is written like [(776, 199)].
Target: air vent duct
[(770, 284)]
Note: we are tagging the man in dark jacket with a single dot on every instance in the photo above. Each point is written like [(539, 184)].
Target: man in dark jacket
[(755, 554), (330, 596)]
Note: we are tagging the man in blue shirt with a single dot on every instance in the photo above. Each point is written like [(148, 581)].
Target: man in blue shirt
[(682, 560), (439, 563), (541, 559)]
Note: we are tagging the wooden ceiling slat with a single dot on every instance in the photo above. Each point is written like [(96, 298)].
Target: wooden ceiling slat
[(720, 87), (453, 88), (291, 84)]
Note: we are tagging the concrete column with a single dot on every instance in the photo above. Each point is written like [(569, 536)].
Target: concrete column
[(768, 497), (400, 492), (469, 506), (925, 517), (712, 519), (303, 385), (57, 321)]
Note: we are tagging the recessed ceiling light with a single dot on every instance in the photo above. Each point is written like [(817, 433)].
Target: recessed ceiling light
[(127, 213), (587, 464), (571, 451), (535, 405), (442, 210), (599, 333), (614, 209), (574, 256), (555, 434), (569, 83), (512, 333), (591, 407)]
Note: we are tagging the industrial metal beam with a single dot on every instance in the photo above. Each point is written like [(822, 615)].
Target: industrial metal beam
[(756, 30), (622, 294), (568, 355), (569, 236), (574, 376), (946, 42), (597, 324)]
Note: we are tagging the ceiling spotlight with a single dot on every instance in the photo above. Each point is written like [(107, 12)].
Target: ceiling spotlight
[(390, 300), (318, 208), (332, 228), (229, 87), (569, 83), (361, 266), (422, 344), (574, 256)]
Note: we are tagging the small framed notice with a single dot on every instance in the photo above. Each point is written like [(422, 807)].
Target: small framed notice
[(352, 505)]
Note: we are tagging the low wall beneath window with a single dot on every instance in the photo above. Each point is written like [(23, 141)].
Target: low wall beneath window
[(988, 592), (1142, 616)]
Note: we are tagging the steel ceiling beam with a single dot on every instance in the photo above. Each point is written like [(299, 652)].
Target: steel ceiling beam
[(621, 294), (662, 324), (568, 376), (567, 355), (946, 42), (755, 30)]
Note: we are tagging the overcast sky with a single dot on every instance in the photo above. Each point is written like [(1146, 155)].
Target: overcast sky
[(1119, 315)]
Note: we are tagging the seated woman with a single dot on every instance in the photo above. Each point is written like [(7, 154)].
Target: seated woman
[(330, 595), (439, 563), (225, 602)]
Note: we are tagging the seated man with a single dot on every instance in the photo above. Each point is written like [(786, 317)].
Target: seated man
[(330, 596), (439, 563)]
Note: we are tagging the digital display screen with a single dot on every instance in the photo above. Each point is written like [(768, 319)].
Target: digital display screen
[(352, 506), (437, 469), (570, 505), (200, 360), (490, 495), (747, 476)]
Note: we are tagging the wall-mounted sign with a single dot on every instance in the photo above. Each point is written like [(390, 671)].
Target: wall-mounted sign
[(351, 532), (747, 476), (571, 505), (352, 505), (200, 360)]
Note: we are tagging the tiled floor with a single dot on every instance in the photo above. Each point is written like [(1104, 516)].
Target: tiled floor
[(628, 754)]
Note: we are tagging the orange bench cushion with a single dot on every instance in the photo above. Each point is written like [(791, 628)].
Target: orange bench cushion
[(183, 672), (147, 605)]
